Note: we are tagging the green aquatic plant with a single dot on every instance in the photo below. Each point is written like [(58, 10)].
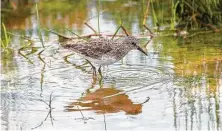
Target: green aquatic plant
[(5, 39), (174, 16), (155, 20), (187, 14), (120, 23), (39, 26), (98, 16), (197, 14)]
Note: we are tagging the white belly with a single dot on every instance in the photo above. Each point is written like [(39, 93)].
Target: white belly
[(103, 61)]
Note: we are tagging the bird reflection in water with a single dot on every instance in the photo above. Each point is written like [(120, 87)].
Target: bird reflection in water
[(106, 100)]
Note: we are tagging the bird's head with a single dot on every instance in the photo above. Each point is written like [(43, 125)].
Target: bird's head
[(133, 43)]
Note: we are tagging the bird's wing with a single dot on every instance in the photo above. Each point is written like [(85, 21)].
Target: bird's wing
[(94, 48)]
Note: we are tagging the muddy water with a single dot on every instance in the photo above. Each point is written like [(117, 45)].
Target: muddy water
[(176, 87)]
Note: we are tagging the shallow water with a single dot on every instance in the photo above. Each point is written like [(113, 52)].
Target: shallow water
[(176, 87)]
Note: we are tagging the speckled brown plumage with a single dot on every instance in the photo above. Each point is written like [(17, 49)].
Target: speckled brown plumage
[(94, 48), (103, 51)]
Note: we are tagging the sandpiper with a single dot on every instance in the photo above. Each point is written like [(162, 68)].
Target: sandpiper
[(102, 51)]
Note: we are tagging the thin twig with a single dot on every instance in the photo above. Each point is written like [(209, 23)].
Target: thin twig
[(78, 36), (108, 35), (44, 102), (149, 40), (111, 35), (147, 100), (49, 113), (104, 116), (146, 13), (214, 28), (73, 33), (42, 79), (148, 30), (56, 33), (82, 114), (91, 35), (40, 58), (19, 51), (74, 65), (115, 33), (22, 36), (90, 27), (124, 30)]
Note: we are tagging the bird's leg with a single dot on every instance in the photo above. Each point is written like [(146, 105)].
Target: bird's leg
[(94, 70), (106, 70), (100, 72), (93, 67)]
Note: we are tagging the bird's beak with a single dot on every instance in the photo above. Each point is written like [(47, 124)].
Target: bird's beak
[(140, 49)]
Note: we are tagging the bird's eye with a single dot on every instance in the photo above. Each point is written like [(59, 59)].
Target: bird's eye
[(133, 43)]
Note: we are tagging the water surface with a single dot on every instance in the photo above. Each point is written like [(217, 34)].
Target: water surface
[(176, 87)]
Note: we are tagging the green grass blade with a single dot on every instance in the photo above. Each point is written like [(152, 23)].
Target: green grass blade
[(39, 27), (5, 44), (116, 32), (98, 16)]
